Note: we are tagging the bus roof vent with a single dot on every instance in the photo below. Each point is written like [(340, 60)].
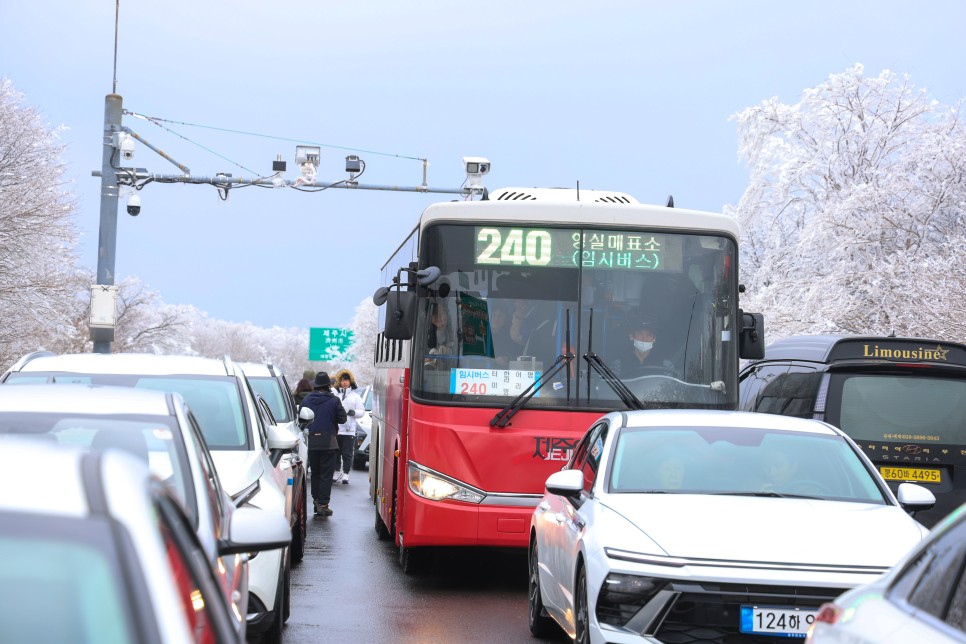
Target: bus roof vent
[(561, 195)]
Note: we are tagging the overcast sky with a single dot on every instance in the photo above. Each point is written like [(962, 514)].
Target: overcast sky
[(631, 96)]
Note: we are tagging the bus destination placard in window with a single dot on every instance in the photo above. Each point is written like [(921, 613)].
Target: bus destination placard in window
[(491, 382)]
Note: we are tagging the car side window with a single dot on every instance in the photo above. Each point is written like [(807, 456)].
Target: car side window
[(250, 401), (594, 449), (942, 577), (784, 389)]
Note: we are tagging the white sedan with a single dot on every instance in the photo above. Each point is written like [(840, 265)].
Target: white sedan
[(710, 526)]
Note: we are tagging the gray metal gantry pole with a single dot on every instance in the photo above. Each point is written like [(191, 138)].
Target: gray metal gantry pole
[(107, 239)]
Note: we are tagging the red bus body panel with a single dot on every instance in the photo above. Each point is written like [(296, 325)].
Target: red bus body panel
[(460, 443)]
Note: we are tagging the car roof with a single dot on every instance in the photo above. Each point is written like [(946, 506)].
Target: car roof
[(83, 399), (61, 491), (125, 363), (260, 369), (729, 419)]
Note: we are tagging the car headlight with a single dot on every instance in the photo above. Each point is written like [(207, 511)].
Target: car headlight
[(360, 436), (622, 596), (437, 487)]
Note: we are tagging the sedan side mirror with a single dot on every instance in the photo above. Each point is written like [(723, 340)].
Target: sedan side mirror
[(914, 498), (566, 483)]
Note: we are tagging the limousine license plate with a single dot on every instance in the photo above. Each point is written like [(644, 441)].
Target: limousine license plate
[(917, 474), (780, 621)]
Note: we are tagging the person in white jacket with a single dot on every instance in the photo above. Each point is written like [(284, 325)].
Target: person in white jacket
[(354, 408)]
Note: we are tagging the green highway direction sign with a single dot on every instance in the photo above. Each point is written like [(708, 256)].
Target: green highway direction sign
[(328, 343)]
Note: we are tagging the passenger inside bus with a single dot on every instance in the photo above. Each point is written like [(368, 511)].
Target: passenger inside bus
[(441, 340), (505, 348)]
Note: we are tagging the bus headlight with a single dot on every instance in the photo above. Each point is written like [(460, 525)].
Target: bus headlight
[(437, 487)]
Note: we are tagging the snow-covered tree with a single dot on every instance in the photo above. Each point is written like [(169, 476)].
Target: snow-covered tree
[(855, 216), (37, 232), (360, 357)]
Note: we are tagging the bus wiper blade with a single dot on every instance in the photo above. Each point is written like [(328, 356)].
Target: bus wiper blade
[(502, 417), (615, 383)]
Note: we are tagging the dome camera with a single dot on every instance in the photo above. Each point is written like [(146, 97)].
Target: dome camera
[(134, 205)]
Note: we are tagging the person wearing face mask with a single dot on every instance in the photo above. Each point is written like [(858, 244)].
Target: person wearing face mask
[(643, 361)]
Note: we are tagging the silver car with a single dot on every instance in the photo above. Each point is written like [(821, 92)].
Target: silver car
[(710, 526), (241, 444), (160, 429), (922, 599), (98, 550)]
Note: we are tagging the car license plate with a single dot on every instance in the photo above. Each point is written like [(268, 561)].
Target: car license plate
[(917, 474), (780, 621)]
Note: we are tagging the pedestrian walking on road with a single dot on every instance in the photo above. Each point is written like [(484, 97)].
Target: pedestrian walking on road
[(323, 444), (354, 408)]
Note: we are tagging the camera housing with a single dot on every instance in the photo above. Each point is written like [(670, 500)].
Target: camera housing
[(124, 143), (134, 205), (475, 168)]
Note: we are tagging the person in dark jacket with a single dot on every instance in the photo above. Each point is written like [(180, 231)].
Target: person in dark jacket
[(323, 445)]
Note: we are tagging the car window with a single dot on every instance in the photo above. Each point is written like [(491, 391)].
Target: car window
[(271, 390), (595, 449), (70, 564), (156, 440), (741, 461), (215, 403), (942, 578)]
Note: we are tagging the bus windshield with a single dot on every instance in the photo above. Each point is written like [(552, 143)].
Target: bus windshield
[(657, 307)]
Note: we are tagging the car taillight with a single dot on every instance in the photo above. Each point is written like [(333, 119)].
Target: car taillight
[(828, 614)]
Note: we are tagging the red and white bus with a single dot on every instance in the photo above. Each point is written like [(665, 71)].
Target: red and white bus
[(508, 328)]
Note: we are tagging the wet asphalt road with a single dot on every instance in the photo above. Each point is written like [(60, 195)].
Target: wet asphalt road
[(349, 587)]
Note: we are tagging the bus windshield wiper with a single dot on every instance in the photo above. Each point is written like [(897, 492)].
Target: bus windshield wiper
[(502, 417), (593, 360)]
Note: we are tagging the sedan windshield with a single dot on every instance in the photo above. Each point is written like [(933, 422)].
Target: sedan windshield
[(743, 461)]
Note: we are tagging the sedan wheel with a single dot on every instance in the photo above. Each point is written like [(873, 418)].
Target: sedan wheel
[(582, 613), (540, 624)]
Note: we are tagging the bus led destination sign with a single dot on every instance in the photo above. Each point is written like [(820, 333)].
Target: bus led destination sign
[(570, 248)]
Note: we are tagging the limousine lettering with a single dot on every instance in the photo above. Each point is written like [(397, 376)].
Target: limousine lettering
[(905, 354)]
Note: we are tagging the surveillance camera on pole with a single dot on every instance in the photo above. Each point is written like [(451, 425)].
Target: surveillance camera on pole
[(134, 205), (475, 168), (124, 143)]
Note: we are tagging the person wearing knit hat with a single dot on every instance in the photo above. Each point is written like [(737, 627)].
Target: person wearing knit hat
[(323, 444)]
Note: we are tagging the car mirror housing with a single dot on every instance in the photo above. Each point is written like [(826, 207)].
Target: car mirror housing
[(913, 497), (567, 483), (282, 439)]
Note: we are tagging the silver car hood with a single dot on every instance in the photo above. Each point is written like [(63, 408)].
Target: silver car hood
[(237, 469), (736, 528)]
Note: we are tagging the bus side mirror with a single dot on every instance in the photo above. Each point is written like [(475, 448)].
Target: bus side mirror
[(400, 315), (751, 342)]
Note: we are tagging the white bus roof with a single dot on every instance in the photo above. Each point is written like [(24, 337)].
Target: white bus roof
[(540, 206)]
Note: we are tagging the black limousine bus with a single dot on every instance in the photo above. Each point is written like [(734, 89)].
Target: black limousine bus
[(902, 400)]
